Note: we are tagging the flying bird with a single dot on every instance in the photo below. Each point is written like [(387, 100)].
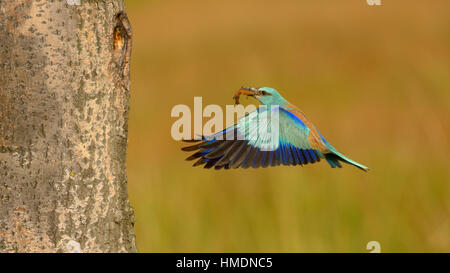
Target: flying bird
[(292, 141)]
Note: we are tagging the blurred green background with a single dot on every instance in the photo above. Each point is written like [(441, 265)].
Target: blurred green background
[(374, 80)]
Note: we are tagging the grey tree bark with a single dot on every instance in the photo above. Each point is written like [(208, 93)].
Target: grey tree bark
[(64, 91)]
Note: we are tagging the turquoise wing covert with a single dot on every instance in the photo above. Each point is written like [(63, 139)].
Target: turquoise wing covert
[(268, 136)]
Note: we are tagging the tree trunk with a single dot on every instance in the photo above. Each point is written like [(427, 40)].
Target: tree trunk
[(64, 90)]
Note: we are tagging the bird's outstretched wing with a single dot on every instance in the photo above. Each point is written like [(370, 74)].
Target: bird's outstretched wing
[(265, 137)]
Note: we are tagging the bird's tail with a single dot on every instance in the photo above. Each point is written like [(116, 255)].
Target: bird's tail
[(333, 158)]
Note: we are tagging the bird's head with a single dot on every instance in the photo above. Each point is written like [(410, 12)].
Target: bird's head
[(265, 95)]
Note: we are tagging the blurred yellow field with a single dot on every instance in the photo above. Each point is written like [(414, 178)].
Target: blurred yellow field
[(374, 79)]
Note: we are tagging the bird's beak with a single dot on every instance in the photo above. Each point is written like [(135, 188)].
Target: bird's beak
[(248, 91)]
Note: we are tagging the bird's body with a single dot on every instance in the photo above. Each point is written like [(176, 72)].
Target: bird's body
[(254, 141)]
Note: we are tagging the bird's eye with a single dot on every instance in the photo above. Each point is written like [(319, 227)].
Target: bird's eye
[(264, 93)]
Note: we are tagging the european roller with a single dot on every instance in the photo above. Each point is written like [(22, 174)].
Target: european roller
[(276, 133)]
